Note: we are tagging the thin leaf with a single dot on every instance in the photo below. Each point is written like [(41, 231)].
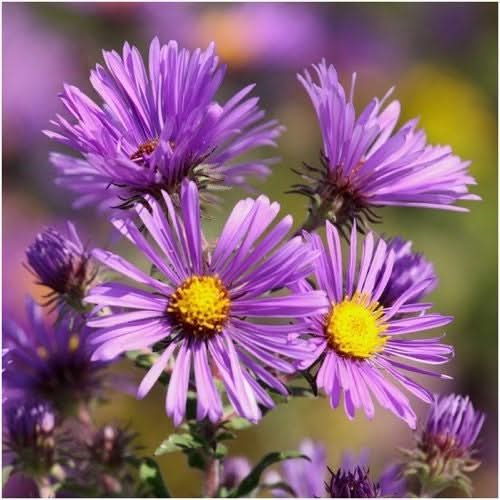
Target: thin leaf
[(252, 480), (150, 475), (178, 442)]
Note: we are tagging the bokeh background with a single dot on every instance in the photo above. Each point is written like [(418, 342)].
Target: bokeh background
[(442, 59)]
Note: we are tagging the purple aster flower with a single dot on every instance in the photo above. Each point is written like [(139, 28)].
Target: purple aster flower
[(391, 482), (28, 436), (62, 264), (201, 312), (410, 268), (362, 346), (110, 446), (158, 126), (50, 363), (452, 427), (305, 477), (234, 470), (365, 164), (445, 455), (355, 483)]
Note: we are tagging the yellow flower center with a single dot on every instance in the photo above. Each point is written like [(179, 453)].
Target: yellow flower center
[(200, 305), (354, 327)]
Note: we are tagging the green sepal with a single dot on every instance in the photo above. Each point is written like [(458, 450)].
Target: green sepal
[(237, 423)]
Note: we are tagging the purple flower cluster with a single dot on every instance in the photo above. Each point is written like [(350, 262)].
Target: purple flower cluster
[(227, 324)]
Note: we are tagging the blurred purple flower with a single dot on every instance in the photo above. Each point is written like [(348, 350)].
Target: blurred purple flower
[(358, 342), (61, 263), (234, 470), (409, 269), (35, 61), (28, 436), (50, 363), (201, 310), (452, 427), (156, 129), (305, 477), (278, 35), (365, 164)]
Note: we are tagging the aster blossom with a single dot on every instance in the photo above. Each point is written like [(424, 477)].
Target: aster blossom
[(361, 346), (452, 427), (28, 436), (354, 483), (445, 452), (367, 163), (61, 263), (409, 268), (50, 363), (200, 314), (157, 125), (391, 482)]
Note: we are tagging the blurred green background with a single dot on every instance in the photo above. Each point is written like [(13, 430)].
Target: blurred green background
[(442, 59)]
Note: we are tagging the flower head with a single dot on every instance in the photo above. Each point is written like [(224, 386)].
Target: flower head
[(200, 314), (355, 483), (305, 477), (361, 346), (366, 164), (410, 268), (452, 427), (391, 482), (156, 127), (28, 436), (445, 455), (62, 264), (50, 363), (110, 446)]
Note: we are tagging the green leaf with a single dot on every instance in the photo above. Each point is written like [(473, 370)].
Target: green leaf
[(252, 480), (178, 442), (223, 435), (150, 475), (237, 423), (6, 472)]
